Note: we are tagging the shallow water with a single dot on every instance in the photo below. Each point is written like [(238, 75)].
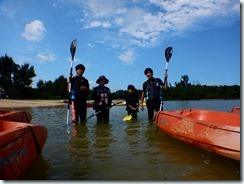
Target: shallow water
[(125, 151)]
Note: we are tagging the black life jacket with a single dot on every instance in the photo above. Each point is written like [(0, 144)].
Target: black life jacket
[(76, 93), (154, 90), (103, 96)]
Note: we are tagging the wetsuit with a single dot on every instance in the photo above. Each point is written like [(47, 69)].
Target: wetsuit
[(78, 98), (132, 100), (153, 89)]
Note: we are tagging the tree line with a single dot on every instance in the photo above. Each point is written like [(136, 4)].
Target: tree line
[(17, 82)]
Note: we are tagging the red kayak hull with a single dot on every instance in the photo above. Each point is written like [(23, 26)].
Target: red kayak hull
[(214, 131), (20, 145), (19, 116)]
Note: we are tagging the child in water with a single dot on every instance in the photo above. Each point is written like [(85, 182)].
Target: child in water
[(132, 102)]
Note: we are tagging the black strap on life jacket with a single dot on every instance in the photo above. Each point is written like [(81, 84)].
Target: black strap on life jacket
[(103, 95)]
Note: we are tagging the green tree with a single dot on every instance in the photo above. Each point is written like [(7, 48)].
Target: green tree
[(22, 76), (40, 85), (6, 68), (184, 82), (60, 87)]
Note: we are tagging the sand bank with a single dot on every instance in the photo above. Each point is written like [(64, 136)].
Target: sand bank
[(30, 103), (9, 103)]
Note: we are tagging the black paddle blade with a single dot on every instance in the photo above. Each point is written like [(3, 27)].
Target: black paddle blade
[(73, 48), (168, 53)]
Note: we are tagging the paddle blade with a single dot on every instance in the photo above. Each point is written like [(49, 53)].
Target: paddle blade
[(73, 48), (168, 53), (127, 118)]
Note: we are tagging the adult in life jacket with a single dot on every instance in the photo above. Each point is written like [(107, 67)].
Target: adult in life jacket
[(102, 99), (79, 92), (152, 91)]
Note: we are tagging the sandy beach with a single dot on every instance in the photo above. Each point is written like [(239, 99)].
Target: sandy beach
[(30, 103)]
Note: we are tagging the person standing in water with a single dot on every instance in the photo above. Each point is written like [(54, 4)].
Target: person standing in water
[(79, 92), (152, 91), (132, 101), (102, 99)]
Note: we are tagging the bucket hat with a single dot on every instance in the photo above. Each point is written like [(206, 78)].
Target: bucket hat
[(102, 77)]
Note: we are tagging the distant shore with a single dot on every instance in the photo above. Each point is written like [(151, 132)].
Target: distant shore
[(8, 103)]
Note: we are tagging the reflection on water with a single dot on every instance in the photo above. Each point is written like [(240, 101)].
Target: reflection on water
[(120, 150), (39, 169)]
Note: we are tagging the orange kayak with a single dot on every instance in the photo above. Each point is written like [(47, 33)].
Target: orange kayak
[(236, 110), (19, 116), (214, 131), (20, 145)]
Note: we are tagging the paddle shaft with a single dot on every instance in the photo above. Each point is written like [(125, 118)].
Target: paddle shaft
[(72, 51), (69, 86), (166, 70), (102, 110)]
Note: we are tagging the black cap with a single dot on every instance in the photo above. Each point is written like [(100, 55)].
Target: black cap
[(148, 70), (131, 87), (80, 66)]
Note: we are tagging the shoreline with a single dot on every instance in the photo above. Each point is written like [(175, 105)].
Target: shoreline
[(10, 103)]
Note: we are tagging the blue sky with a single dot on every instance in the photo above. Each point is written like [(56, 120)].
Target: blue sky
[(119, 39)]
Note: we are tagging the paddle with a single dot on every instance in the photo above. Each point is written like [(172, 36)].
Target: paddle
[(168, 54), (72, 51), (102, 110), (129, 117)]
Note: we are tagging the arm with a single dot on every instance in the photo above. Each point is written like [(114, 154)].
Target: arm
[(68, 87), (143, 95), (166, 86), (85, 88), (69, 82), (110, 98), (137, 102), (133, 108), (94, 97), (142, 100)]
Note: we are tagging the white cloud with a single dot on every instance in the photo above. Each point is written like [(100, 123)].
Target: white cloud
[(197, 10), (91, 82), (9, 12), (45, 57), (146, 23), (94, 24), (171, 15), (34, 31), (105, 8), (22, 60), (127, 57), (90, 45)]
